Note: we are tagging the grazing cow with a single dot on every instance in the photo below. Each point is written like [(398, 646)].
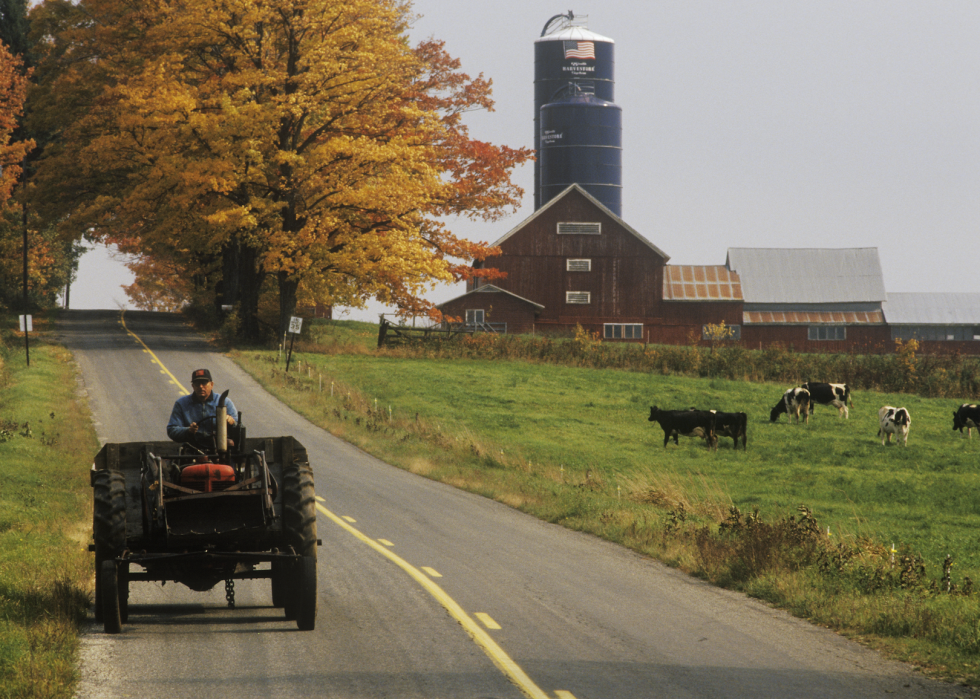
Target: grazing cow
[(734, 425), (794, 401), (894, 421), (967, 416), (690, 423), (835, 394)]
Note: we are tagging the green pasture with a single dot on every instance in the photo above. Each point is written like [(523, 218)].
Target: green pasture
[(574, 419)]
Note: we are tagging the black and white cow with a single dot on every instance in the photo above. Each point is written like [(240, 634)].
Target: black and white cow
[(690, 423), (794, 401), (894, 421), (734, 425), (835, 394), (968, 416)]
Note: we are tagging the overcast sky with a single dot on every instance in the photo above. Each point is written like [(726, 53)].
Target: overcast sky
[(764, 124)]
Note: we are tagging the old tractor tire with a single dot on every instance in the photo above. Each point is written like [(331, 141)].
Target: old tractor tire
[(280, 584), (108, 525), (122, 582), (306, 594), (109, 587), (299, 509)]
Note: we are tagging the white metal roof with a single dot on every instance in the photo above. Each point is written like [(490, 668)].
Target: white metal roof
[(808, 275), (932, 309), (575, 34)]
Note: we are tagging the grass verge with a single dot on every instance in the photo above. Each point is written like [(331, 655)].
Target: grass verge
[(46, 442), (876, 542)]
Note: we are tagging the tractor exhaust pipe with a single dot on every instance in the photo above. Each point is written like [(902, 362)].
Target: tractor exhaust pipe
[(221, 417)]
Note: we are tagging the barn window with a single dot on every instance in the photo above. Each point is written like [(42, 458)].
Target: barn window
[(935, 333), (569, 228), (580, 297), (578, 265), (474, 316), (625, 331), (827, 332)]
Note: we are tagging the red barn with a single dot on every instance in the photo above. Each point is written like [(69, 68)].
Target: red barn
[(574, 262)]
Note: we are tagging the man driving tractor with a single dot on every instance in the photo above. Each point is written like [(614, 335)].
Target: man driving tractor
[(193, 416)]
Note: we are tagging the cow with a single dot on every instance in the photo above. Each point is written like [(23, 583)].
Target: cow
[(835, 394), (734, 425), (894, 421), (690, 423), (967, 416), (794, 401)]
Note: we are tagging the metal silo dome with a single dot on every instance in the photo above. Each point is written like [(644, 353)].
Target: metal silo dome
[(568, 54)]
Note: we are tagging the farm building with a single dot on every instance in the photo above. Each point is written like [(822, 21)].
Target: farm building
[(939, 322), (575, 262), (811, 299)]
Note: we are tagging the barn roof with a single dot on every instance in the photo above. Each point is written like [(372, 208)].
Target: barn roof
[(932, 309), (491, 289), (599, 204), (812, 317), (701, 283), (808, 275)]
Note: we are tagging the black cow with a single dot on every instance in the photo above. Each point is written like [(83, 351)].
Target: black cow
[(968, 416), (734, 425), (690, 423), (794, 401), (835, 394)]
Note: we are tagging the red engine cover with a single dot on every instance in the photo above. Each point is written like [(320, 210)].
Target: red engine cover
[(207, 477)]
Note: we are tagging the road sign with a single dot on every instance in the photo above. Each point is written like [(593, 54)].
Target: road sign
[(26, 324), (295, 325)]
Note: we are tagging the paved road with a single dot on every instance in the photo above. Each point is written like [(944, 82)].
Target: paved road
[(414, 576)]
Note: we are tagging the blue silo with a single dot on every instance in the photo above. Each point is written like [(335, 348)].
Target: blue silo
[(571, 62), (581, 142)]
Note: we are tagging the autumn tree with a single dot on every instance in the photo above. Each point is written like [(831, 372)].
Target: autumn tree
[(302, 139)]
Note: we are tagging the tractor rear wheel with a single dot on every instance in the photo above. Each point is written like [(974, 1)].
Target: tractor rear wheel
[(299, 509), (306, 594), (109, 584), (299, 532), (108, 525)]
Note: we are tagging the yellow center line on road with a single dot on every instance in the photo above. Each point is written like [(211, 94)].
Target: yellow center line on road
[(163, 370), (503, 661)]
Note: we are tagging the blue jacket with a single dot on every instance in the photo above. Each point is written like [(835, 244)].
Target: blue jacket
[(187, 410)]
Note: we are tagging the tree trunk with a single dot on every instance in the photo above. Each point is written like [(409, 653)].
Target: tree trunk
[(249, 286), (287, 301)]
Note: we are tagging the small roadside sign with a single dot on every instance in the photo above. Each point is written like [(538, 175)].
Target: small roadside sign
[(27, 327), (295, 326)]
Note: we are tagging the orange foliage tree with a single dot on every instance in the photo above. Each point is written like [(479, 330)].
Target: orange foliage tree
[(241, 139)]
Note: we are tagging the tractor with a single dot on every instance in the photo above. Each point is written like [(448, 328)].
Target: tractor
[(224, 508)]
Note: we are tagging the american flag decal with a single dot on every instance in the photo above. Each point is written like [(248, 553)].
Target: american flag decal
[(579, 49)]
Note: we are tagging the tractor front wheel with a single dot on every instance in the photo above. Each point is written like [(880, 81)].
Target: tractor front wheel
[(109, 584)]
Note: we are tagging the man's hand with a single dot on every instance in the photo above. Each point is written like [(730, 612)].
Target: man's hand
[(192, 428), (231, 420)]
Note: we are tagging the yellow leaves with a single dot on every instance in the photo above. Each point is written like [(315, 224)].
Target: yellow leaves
[(308, 130), (13, 87)]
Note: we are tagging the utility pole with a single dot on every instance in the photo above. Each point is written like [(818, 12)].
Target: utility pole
[(23, 207)]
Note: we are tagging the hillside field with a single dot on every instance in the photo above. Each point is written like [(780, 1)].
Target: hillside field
[(576, 420)]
